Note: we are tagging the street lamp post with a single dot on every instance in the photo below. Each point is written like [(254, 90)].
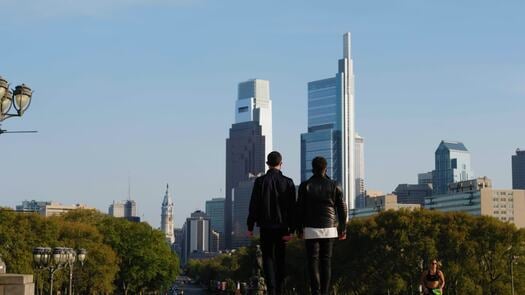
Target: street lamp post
[(19, 98), (55, 259), (73, 256), (513, 259)]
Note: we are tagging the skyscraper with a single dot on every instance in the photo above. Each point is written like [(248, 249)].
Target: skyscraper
[(197, 235), (124, 209), (215, 211), (166, 223), (452, 165), (331, 129), (241, 205), (518, 170), (249, 141), (359, 171)]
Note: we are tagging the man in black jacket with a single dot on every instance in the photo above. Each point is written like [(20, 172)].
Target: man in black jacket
[(321, 218), (271, 208)]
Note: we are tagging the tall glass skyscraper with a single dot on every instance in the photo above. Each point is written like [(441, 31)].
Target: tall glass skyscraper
[(518, 170), (331, 130), (215, 211), (452, 165), (249, 142)]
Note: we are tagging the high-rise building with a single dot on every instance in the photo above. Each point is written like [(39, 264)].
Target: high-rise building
[(123, 209), (413, 193), (250, 139), (425, 178), (518, 170), (452, 165), (197, 235), (360, 190), (241, 205), (331, 130), (215, 241), (179, 241), (215, 211), (116, 209), (166, 223)]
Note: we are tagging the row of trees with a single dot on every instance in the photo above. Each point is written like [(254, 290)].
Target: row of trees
[(123, 257), (388, 252)]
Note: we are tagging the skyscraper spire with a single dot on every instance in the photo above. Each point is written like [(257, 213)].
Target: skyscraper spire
[(347, 45), (346, 70)]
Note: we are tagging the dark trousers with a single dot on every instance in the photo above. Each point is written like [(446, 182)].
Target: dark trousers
[(319, 252), (273, 251)]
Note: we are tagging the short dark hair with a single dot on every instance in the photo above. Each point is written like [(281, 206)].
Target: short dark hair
[(319, 165), (274, 159)]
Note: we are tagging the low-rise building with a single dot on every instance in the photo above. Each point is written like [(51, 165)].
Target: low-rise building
[(380, 203), (31, 206), (53, 209), (477, 197)]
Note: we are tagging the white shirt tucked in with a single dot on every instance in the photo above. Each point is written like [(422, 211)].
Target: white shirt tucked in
[(320, 233)]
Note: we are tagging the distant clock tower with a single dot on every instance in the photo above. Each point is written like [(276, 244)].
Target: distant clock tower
[(166, 223)]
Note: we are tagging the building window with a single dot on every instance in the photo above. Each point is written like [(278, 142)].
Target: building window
[(243, 109)]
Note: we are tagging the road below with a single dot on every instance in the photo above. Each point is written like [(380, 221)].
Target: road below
[(192, 289)]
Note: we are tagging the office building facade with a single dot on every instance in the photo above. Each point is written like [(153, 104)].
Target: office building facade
[(375, 204), (413, 193), (124, 209), (360, 190), (518, 170), (331, 127), (53, 209), (452, 165), (197, 235), (425, 178), (215, 211), (477, 197), (241, 205), (31, 206), (250, 140)]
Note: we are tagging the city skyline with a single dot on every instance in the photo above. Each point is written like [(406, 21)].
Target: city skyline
[(426, 72)]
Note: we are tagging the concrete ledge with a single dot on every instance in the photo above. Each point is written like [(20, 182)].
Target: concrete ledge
[(15, 279), (15, 284)]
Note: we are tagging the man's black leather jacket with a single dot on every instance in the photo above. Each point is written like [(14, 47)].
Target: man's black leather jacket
[(273, 202), (321, 205)]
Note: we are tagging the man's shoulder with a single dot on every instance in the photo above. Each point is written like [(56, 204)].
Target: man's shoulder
[(288, 179)]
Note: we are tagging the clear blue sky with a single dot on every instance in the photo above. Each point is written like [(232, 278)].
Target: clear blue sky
[(146, 89)]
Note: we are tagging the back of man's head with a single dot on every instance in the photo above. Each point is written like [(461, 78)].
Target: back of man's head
[(274, 159), (319, 165)]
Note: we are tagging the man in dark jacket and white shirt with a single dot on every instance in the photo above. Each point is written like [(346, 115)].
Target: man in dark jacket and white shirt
[(321, 218), (272, 209)]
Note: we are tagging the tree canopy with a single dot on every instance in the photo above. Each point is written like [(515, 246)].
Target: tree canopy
[(123, 257), (388, 252)]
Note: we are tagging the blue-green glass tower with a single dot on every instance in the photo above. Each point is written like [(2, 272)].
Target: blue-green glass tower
[(452, 165), (331, 129)]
